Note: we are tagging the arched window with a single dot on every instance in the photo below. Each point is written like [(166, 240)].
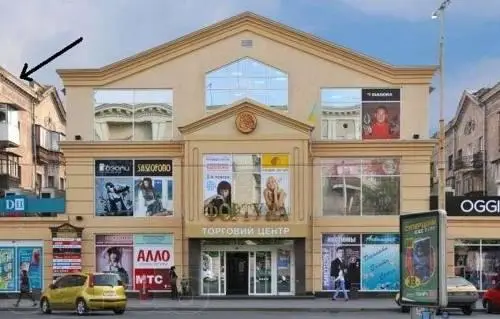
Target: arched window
[(246, 78)]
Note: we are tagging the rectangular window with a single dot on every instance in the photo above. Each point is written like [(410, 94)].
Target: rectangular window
[(450, 162), (361, 186), (51, 181), (477, 261), (246, 186), (61, 183), (355, 113), (139, 188), (39, 181), (133, 115)]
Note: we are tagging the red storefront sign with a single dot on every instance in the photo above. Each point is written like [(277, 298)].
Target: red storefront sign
[(155, 279)]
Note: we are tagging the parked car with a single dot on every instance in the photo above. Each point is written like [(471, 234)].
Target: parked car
[(461, 295), (491, 299), (84, 292)]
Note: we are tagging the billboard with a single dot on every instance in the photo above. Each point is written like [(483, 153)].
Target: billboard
[(422, 266)]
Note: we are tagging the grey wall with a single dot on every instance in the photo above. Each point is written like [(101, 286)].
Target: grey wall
[(194, 264), (300, 266)]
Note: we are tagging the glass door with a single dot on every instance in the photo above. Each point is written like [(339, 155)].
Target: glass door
[(284, 271), (262, 273), (213, 273)]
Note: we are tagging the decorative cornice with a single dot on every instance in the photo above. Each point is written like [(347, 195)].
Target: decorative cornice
[(78, 149), (406, 147), (246, 105), (247, 22)]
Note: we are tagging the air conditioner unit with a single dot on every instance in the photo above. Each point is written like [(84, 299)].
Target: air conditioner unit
[(18, 192), (48, 193)]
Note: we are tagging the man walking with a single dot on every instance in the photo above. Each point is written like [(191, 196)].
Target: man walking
[(338, 269), (25, 288)]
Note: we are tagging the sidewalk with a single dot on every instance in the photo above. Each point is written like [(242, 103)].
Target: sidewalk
[(200, 305)]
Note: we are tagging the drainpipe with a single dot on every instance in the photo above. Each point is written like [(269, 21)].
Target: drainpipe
[(485, 152)]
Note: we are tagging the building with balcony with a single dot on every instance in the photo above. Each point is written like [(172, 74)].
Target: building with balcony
[(32, 122), (472, 146), (249, 154)]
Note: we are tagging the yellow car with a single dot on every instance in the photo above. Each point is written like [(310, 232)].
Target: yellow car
[(461, 294), (84, 292)]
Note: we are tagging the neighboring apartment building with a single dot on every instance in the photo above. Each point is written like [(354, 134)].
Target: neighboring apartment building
[(472, 148), (203, 153), (32, 123)]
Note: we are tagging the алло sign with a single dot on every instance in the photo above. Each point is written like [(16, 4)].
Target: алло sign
[(473, 206)]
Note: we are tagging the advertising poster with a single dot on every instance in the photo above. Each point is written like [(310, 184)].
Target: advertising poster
[(345, 247), (218, 179), (380, 262), (66, 256), (30, 259), (381, 109), (153, 188), (153, 257), (114, 253), (275, 184), (7, 269), (114, 186), (419, 267)]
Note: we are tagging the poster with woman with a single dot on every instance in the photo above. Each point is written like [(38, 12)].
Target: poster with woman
[(380, 262), (115, 254), (343, 249), (30, 259), (153, 188), (275, 185), (218, 178), (7, 269), (114, 186), (381, 113)]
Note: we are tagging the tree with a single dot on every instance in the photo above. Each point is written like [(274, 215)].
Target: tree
[(380, 195)]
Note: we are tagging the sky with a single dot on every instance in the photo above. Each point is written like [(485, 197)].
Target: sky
[(399, 32)]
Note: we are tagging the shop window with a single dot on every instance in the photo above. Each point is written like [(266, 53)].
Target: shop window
[(355, 113), (133, 115), (478, 261), (361, 187), (246, 78), (246, 186)]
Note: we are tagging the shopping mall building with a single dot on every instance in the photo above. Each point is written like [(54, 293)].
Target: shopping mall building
[(249, 155)]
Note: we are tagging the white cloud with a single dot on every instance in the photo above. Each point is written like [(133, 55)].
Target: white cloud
[(415, 10), (32, 30), (474, 76)]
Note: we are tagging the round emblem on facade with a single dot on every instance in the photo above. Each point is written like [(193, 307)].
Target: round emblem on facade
[(246, 122)]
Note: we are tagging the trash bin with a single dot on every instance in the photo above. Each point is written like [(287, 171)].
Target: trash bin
[(354, 291)]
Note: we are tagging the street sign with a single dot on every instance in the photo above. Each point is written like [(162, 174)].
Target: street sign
[(423, 259), (24, 204)]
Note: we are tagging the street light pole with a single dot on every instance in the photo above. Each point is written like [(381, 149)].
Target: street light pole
[(439, 13)]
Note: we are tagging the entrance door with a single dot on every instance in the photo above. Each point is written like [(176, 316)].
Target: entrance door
[(237, 273), (262, 271)]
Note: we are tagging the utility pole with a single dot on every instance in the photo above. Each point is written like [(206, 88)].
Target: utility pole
[(439, 14)]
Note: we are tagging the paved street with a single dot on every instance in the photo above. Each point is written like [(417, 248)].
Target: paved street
[(232, 315)]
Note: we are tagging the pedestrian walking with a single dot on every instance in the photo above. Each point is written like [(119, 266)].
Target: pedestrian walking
[(25, 288), (338, 269), (173, 284)]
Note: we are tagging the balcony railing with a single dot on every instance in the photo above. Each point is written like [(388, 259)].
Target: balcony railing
[(476, 161), (48, 150)]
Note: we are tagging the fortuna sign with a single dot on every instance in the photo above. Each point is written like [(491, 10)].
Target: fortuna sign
[(473, 206), (480, 206)]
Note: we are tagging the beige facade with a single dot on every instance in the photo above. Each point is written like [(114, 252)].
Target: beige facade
[(283, 124), (473, 144), (32, 123)]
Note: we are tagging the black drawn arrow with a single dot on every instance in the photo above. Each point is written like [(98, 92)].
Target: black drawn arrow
[(25, 73)]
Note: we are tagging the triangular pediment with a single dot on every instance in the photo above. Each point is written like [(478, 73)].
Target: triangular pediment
[(268, 122), (256, 24)]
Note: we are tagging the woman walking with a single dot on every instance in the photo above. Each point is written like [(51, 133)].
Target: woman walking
[(25, 288)]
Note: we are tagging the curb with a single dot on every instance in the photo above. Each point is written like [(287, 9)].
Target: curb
[(226, 309)]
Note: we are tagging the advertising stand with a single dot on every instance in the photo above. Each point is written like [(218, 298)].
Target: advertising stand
[(423, 262)]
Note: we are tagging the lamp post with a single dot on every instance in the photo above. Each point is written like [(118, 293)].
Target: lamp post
[(439, 14)]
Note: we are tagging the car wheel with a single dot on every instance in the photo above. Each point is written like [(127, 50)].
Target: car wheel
[(405, 309), (119, 311), (489, 306), (45, 306), (81, 307), (467, 310)]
